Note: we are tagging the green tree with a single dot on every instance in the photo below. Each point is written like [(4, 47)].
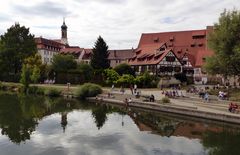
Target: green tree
[(25, 77), (225, 42), (63, 63), (111, 76), (146, 80), (37, 68), (125, 79), (86, 71), (35, 76), (15, 45), (99, 59), (124, 69)]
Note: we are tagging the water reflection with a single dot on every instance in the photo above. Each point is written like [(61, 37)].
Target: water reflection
[(59, 126)]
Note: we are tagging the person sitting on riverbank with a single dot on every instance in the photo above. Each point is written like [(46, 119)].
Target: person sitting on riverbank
[(232, 107), (152, 98), (206, 97), (126, 102)]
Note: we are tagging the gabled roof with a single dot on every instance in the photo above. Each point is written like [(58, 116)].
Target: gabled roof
[(190, 57), (151, 61), (177, 40), (71, 50), (87, 53), (43, 43)]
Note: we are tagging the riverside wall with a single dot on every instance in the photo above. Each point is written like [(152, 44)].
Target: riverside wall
[(180, 110)]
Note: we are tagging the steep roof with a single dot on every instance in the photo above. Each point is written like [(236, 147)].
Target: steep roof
[(192, 43), (43, 43), (149, 59), (179, 41), (72, 50)]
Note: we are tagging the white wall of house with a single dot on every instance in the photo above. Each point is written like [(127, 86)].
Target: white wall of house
[(46, 55)]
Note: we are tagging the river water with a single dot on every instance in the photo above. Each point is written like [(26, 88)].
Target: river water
[(33, 125)]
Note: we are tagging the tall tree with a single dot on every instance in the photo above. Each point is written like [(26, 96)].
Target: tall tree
[(16, 45), (99, 59), (63, 63), (225, 42)]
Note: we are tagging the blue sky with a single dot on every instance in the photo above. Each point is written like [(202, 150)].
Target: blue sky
[(119, 22)]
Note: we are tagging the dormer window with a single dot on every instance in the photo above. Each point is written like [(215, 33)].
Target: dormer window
[(156, 39), (162, 49)]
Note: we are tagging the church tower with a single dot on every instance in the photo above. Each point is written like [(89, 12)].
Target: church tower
[(64, 39)]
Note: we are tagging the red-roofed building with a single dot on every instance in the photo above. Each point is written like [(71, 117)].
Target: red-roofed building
[(47, 48), (117, 57), (188, 50), (75, 51)]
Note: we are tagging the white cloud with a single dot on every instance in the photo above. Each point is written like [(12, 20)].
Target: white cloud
[(119, 22)]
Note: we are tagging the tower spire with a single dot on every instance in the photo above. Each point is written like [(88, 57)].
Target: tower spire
[(64, 39)]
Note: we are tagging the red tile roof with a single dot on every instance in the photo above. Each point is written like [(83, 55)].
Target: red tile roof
[(149, 59), (191, 42), (71, 50), (201, 55), (121, 54), (43, 43)]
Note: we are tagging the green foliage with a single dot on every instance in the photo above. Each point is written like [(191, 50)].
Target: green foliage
[(35, 74), (88, 90), (15, 45), (52, 92), (63, 63), (25, 77), (86, 71), (146, 80), (38, 69), (99, 59), (165, 100), (124, 69), (225, 42), (111, 76), (35, 90), (125, 79)]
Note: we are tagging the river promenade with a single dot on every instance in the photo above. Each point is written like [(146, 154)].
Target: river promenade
[(190, 105)]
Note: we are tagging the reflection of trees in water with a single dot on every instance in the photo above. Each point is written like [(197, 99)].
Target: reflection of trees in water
[(158, 124), (19, 115), (15, 123), (222, 143), (100, 112)]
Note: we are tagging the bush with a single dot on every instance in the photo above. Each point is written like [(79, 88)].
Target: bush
[(52, 92), (35, 90), (124, 69), (165, 100), (88, 90)]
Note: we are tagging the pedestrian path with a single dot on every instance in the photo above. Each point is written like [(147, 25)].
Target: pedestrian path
[(190, 101)]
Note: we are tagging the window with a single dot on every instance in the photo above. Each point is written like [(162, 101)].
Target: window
[(170, 58)]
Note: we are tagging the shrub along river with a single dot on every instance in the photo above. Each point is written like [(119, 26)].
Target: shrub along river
[(33, 125)]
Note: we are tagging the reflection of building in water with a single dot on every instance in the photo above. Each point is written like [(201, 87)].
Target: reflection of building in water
[(168, 127), (64, 120)]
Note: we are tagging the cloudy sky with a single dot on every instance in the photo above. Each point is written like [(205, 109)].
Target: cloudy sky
[(119, 22)]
